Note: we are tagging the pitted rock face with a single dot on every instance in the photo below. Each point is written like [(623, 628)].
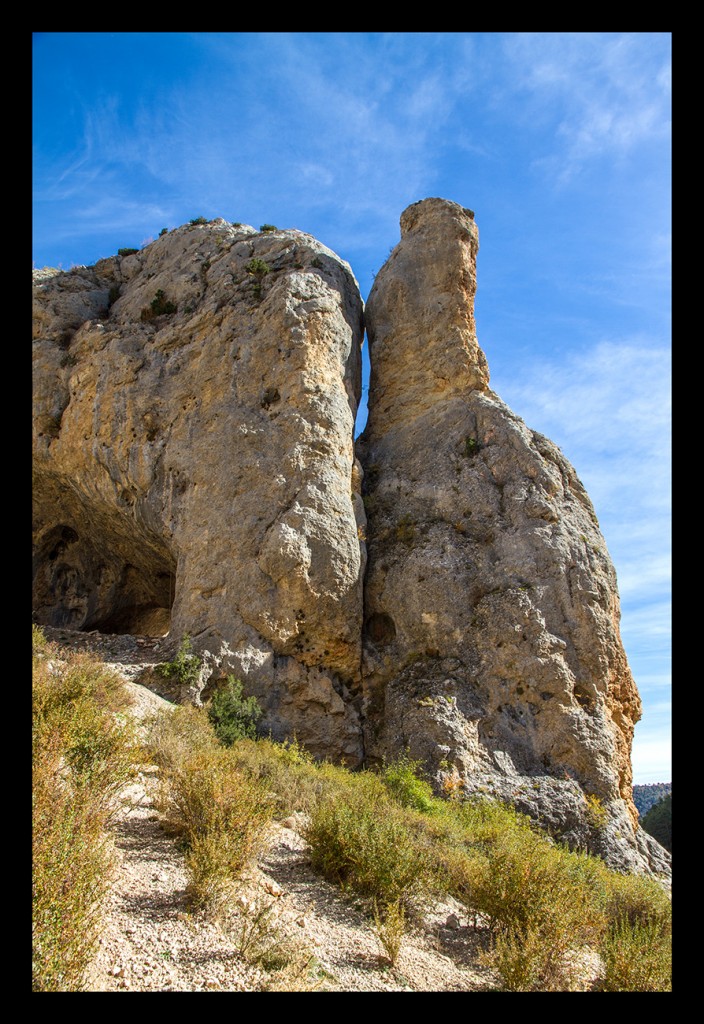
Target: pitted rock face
[(194, 471), (194, 414), (492, 648)]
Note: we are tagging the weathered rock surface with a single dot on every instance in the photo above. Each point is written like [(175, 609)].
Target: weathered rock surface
[(492, 650), (194, 473), (194, 407)]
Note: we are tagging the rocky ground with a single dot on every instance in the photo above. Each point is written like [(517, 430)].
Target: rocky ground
[(303, 933)]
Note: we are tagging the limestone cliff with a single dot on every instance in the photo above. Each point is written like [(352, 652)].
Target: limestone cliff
[(195, 472), (194, 412), (492, 650)]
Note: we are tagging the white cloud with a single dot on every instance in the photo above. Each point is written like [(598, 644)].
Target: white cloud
[(604, 92), (652, 756)]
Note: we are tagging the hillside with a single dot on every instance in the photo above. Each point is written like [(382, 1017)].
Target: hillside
[(648, 794), (286, 927), (658, 822)]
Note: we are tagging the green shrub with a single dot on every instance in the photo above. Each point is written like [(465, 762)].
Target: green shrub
[(634, 900), (289, 773), (127, 252), (365, 844), (186, 666), (401, 779), (198, 220), (471, 447), (164, 231), (268, 228), (258, 268), (159, 306), (233, 716)]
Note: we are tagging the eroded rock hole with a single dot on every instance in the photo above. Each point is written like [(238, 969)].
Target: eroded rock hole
[(381, 628)]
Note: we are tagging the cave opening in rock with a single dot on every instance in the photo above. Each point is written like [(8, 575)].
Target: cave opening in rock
[(84, 581)]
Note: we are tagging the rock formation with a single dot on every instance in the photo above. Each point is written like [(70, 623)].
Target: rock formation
[(492, 650), (195, 471), (194, 412)]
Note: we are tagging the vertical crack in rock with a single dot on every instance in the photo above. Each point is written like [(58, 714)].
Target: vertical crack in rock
[(492, 650), (194, 409)]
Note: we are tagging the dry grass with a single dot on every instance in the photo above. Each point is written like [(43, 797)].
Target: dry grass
[(82, 757)]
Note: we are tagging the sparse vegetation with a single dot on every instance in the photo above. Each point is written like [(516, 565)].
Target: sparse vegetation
[(471, 447), (406, 530), (597, 815), (390, 927), (164, 231), (198, 220), (159, 306), (266, 228), (81, 758), (127, 252), (382, 835), (257, 269)]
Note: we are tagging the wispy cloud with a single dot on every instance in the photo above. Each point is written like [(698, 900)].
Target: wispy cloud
[(612, 400), (605, 92)]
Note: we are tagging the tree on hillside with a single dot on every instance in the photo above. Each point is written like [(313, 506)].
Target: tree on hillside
[(658, 822)]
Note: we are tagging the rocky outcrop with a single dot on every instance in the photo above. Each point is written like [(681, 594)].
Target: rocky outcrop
[(492, 651), (194, 408), (194, 405)]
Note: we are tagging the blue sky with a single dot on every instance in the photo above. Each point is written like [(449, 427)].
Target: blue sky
[(560, 143)]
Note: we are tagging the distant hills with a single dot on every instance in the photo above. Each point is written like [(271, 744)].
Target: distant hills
[(645, 797)]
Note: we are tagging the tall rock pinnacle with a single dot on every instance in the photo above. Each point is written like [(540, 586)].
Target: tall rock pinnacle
[(492, 650)]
